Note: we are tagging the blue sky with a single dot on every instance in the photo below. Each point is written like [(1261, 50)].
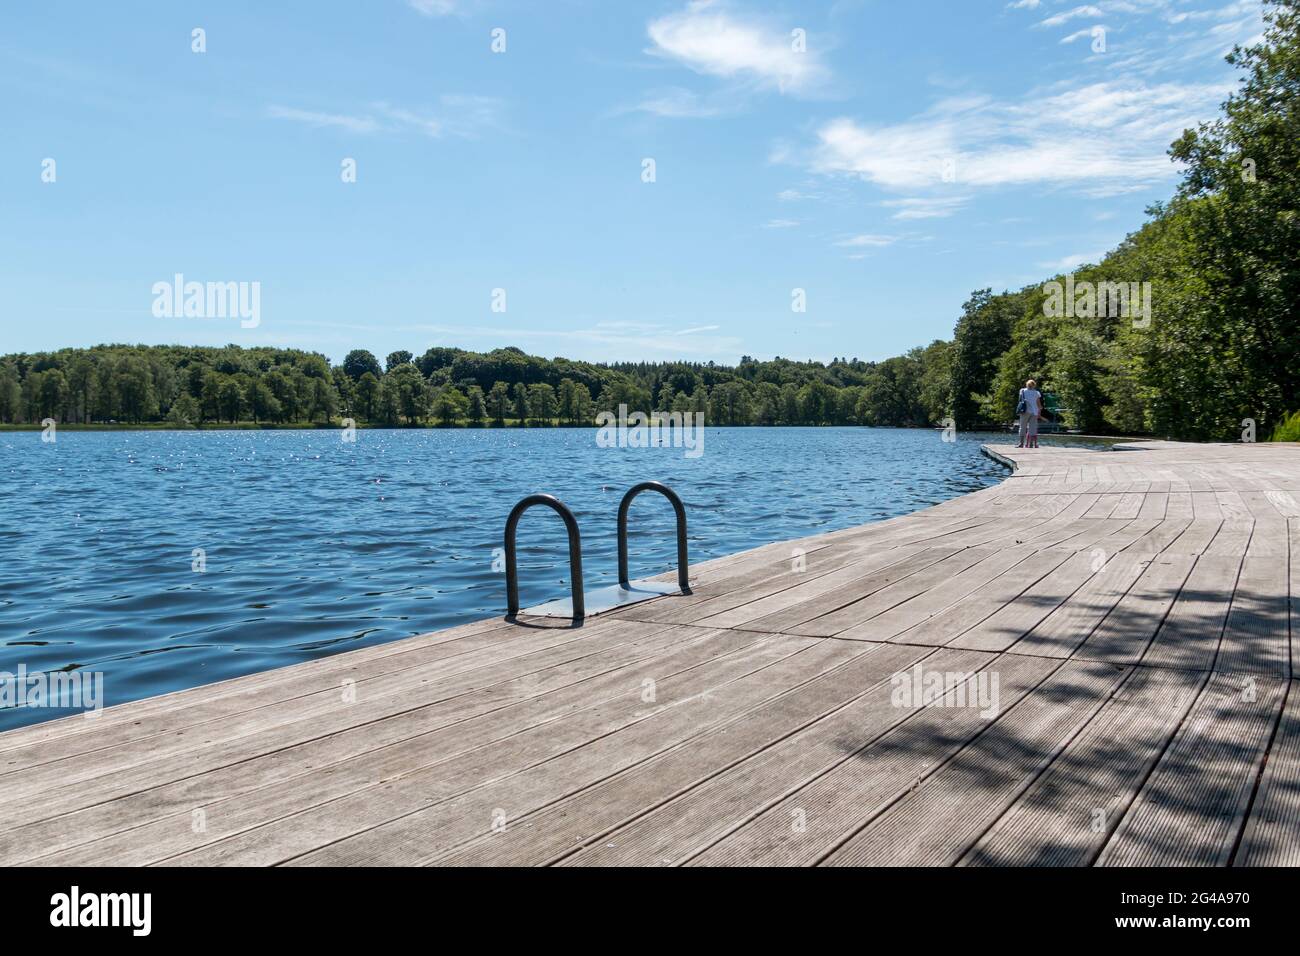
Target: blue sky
[(908, 154)]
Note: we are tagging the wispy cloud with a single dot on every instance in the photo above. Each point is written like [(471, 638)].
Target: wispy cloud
[(709, 40), (1149, 45), (933, 207), (1087, 10), (457, 115), (780, 224), (1239, 8), (1076, 35), (434, 8), (867, 240), (1210, 34), (401, 118), (1099, 136), (353, 124), (678, 103), (794, 195)]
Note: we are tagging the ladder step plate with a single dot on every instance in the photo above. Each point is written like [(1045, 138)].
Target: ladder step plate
[(605, 599)]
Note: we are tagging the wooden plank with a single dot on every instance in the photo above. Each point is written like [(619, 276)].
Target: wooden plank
[(316, 767), (1154, 504), (1132, 624), (1127, 538), (669, 799), (838, 599), (803, 591), (118, 747), (935, 823), (1272, 834), (1255, 640), (1233, 538), (1018, 617), (1129, 505), (1070, 811), (1270, 535), (170, 710), (1197, 538), (429, 811), (1191, 809), (1159, 539), (746, 585), (1191, 633), (1103, 506), (891, 595), (957, 618), (925, 605), (810, 821), (1179, 505), (461, 758), (1205, 505), (1064, 629)]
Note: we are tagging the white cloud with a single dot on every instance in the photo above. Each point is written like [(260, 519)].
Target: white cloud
[(353, 124), (457, 115), (934, 207), (433, 8), (677, 103), (872, 241), (780, 224), (711, 41), (1106, 135), (406, 119), (1150, 47), (1077, 35), (467, 115), (1239, 8), (1057, 19), (1024, 5)]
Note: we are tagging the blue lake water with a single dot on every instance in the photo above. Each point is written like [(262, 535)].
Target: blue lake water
[(313, 545)]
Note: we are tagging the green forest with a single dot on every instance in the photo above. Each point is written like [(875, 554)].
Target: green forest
[(1219, 344)]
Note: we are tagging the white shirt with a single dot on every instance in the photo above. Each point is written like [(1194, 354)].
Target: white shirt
[(1033, 400)]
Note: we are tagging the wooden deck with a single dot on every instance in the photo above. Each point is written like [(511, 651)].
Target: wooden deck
[(1135, 608)]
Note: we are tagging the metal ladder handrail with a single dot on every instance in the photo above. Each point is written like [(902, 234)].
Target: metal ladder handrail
[(683, 564), (575, 553)]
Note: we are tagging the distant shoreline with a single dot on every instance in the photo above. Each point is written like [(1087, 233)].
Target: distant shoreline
[(510, 425)]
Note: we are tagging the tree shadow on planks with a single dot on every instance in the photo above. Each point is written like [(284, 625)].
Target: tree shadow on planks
[(953, 771), (1138, 783), (1272, 834)]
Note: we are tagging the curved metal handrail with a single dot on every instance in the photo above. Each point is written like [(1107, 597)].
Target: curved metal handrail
[(575, 553), (683, 564)]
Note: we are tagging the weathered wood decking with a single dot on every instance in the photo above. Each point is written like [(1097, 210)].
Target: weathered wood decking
[(1135, 606)]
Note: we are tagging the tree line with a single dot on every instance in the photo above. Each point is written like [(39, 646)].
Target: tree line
[(195, 386), (1218, 346)]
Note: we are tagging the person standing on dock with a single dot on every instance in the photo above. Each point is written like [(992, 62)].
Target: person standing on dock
[(1030, 409)]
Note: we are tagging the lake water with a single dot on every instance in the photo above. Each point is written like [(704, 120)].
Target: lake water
[(312, 545)]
